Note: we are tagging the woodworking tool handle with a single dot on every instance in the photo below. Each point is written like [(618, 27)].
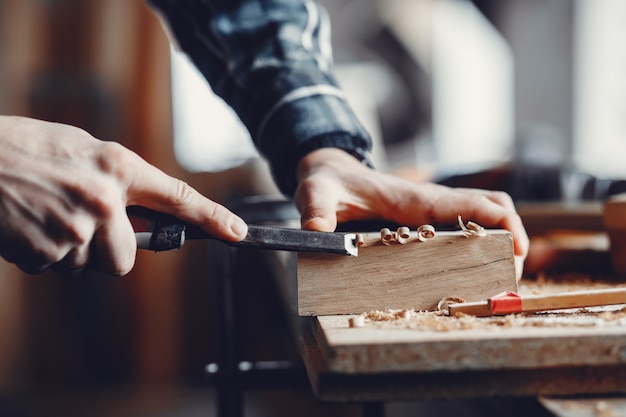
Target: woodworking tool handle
[(574, 299), (513, 303)]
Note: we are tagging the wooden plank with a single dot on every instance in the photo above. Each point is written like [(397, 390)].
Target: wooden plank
[(416, 275), (542, 218), (332, 384), (400, 347), (588, 406), (615, 223)]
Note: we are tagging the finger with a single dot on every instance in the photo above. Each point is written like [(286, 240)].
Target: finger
[(33, 252), (77, 258), (32, 269), (519, 267), (154, 189), (489, 213), (498, 197), (115, 246), (443, 205), (28, 260), (317, 208)]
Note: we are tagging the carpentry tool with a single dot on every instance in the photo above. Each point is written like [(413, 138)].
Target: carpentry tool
[(160, 232), (510, 303)]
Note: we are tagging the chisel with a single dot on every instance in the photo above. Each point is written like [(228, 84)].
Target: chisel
[(161, 232)]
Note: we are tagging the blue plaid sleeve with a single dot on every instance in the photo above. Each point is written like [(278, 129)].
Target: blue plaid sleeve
[(271, 61)]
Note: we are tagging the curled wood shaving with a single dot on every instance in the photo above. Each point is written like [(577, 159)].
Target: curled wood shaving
[(443, 304), (402, 234), (472, 229), (386, 236), (425, 232)]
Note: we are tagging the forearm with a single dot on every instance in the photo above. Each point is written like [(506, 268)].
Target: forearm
[(271, 61)]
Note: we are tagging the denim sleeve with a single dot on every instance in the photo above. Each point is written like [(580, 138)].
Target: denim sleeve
[(271, 61)]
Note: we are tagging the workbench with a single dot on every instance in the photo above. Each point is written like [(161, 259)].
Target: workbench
[(430, 356), (556, 357)]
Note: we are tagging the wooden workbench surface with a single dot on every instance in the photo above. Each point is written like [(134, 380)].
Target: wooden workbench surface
[(428, 355)]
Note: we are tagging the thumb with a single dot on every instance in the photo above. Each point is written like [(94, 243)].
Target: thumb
[(320, 223), (317, 212)]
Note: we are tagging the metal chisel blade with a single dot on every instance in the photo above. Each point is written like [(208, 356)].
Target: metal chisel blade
[(280, 238)]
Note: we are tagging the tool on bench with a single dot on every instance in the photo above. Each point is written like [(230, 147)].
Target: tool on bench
[(510, 303), (161, 232)]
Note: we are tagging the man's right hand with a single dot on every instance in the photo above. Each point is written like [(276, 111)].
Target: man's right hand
[(64, 193)]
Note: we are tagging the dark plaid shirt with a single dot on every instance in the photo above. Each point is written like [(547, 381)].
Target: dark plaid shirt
[(271, 61)]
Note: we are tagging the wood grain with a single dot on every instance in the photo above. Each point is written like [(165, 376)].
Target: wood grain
[(415, 275)]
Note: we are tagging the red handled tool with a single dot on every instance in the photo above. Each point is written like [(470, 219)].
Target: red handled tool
[(509, 303)]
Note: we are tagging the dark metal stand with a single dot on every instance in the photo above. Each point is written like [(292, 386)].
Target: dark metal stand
[(231, 374)]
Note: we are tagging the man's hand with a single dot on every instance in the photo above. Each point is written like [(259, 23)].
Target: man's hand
[(334, 187), (63, 199)]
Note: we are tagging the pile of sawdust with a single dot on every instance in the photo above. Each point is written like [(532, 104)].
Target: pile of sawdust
[(605, 316), (610, 316)]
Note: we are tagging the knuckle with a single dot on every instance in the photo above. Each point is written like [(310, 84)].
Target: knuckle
[(46, 254), (115, 159), (122, 268), (501, 197), (183, 195), (79, 233), (101, 200)]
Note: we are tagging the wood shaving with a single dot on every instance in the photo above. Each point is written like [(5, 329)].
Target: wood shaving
[(443, 304), (402, 234), (358, 321), (425, 232), (386, 236), (472, 229), (388, 315), (603, 409)]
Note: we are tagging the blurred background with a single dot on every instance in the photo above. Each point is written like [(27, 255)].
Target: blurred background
[(454, 87)]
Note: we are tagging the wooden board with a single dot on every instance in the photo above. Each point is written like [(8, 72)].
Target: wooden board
[(390, 364), (415, 275), (561, 353), (615, 224), (432, 341), (542, 218), (589, 406), (549, 341)]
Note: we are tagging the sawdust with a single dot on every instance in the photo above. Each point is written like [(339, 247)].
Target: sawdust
[(605, 316), (603, 409), (614, 316), (544, 284)]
